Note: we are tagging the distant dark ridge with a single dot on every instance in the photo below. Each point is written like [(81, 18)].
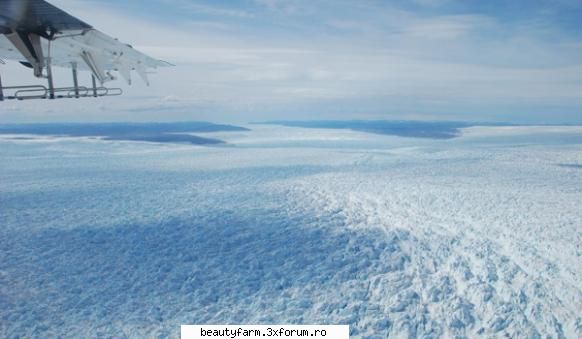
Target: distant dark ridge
[(118, 128), (401, 128), (173, 132), (575, 166), (168, 138)]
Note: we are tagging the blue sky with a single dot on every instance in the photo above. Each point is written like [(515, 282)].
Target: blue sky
[(245, 60)]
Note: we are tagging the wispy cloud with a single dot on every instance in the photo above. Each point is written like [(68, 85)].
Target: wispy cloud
[(446, 27), (208, 9)]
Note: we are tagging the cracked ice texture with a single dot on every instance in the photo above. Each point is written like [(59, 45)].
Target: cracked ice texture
[(475, 236)]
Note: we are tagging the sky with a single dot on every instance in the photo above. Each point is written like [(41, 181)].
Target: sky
[(252, 60)]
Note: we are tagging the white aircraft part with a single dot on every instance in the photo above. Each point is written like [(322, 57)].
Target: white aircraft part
[(142, 71), (93, 51), (124, 69), (36, 59), (96, 66)]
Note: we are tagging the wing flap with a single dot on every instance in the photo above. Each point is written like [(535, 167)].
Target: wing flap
[(102, 54)]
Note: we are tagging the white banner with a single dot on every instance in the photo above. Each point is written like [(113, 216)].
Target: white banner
[(265, 331)]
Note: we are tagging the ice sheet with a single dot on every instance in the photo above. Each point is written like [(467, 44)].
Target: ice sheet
[(395, 237)]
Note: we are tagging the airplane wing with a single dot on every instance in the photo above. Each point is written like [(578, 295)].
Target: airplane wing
[(39, 34)]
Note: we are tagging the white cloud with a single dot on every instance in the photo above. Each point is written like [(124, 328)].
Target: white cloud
[(446, 27), (432, 3), (282, 6), (200, 8)]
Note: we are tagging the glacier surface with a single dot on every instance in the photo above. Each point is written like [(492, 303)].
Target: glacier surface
[(477, 236)]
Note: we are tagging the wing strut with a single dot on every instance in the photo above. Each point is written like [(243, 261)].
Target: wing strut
[(94, 81), (75, 80), (1, 90), (29, 46), (49, 76), (95, 64)]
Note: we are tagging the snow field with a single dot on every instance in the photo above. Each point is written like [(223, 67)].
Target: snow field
[(397, 238)]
